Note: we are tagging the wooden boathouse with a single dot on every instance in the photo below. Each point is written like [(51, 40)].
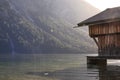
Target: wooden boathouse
[(104, 28)]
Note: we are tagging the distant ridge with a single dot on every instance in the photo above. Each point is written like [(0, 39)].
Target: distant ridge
[(44, 26)]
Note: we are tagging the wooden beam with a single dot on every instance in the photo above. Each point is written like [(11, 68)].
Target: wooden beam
[(96, 41), (96, 35)]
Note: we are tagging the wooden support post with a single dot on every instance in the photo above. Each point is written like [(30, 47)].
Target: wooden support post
[(99, 48), (96, 41)]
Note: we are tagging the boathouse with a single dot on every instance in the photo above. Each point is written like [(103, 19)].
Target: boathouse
[(104, 28)]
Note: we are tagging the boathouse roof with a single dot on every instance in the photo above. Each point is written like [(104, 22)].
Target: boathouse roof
[(106, 16)]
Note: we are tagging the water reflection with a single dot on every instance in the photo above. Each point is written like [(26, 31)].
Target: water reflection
[(69, 74), (109, 72), (91, 72)]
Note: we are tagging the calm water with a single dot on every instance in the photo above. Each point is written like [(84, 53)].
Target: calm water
[(54, 67)]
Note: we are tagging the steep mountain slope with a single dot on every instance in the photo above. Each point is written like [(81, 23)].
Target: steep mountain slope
[(43, 26)]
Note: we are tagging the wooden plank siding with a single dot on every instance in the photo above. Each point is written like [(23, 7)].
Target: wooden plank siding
[(109, 45), (104, 29), (108, 36)]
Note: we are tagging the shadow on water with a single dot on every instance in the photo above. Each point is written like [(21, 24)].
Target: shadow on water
[(110, 72)]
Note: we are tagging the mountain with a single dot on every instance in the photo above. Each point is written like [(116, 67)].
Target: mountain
[(44, 26)]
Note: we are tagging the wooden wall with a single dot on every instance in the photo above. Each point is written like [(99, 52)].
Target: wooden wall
[(103, 29), (109, 44), (108, 38)]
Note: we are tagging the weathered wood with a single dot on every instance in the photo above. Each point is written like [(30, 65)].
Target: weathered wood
[(108, 35), (96, 41), (104, 29), (97, 35)]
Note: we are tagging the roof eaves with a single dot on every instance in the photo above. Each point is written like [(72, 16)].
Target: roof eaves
[(98, 22)]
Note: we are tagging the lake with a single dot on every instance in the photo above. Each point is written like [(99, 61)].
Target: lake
[(54, 67)]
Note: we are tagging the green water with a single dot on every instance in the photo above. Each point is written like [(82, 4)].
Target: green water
[(16, 67), (54, 67)]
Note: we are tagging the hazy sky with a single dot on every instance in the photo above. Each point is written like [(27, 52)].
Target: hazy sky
[(103, 4)]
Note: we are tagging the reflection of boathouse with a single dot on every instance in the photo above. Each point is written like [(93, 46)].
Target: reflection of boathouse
[(104, 28), (112, 72)]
